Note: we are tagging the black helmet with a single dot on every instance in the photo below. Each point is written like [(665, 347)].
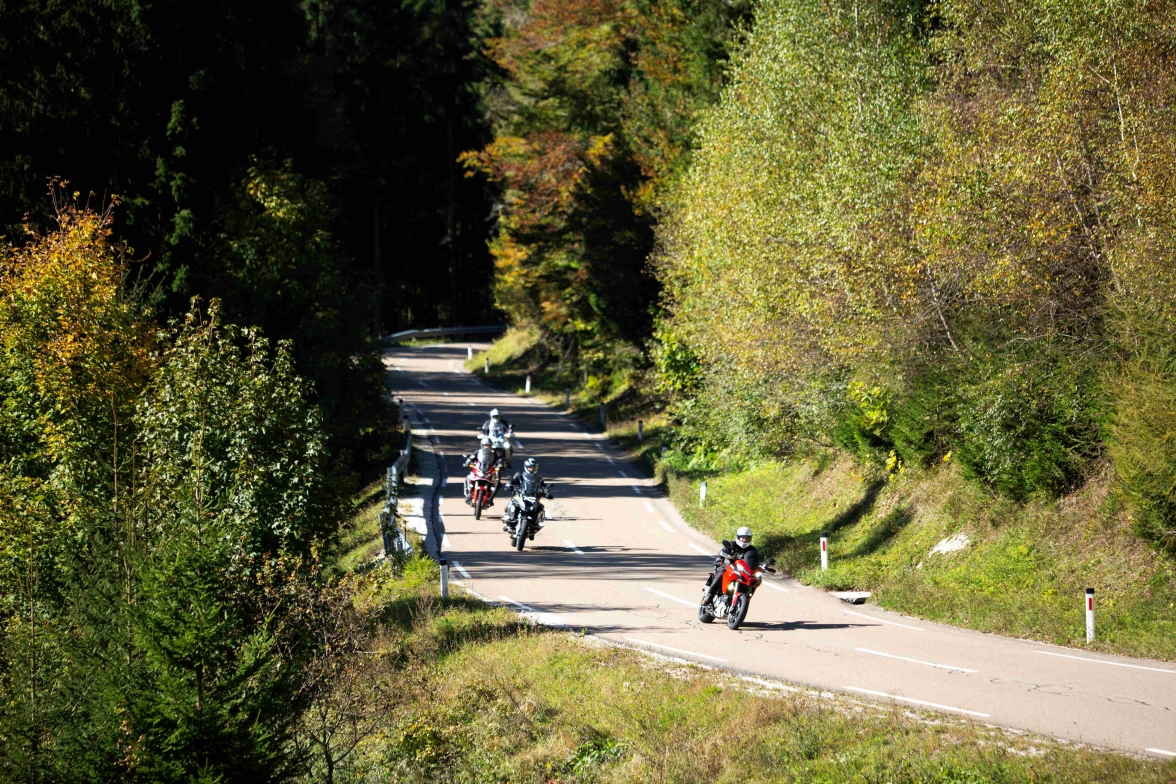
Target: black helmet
[(531, 465)]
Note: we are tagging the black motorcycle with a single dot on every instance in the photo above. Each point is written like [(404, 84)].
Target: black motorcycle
[(530, 511)]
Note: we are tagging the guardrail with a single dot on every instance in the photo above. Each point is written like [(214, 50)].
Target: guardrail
[(439, 332), (394, 539)]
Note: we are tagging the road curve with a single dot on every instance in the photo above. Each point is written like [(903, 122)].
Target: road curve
[(617, 560)]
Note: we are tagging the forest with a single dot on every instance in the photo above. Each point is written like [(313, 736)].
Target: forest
[(916, 235)]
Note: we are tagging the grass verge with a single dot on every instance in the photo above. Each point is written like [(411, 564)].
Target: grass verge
[(1021, 573)]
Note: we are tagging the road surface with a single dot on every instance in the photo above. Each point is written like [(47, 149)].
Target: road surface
[(617, 560)]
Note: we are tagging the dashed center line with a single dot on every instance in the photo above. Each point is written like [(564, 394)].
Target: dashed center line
[(518, 444), (649, 508), (572, 547), (636, 489), (666, 525), (445, 540), (671, 597), (915, 661), (879, 620), (610, 460), (422, 383), (774, 587), (700, 549), (918, 702), (598, 446), (675, 650)]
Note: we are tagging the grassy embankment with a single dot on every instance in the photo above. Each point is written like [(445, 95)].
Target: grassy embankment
[(1022, 573), (462, 692)]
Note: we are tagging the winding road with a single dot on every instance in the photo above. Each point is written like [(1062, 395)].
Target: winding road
[(617, 560)]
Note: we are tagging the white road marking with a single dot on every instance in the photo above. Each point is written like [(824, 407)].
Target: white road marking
[(622, 473), (598, 446), (879, 620), (774, 587), (915, 661), (918, 702), (446, 394), (585, 435), (422, 383), (671, 598), (636, 489), (445, 540), (1161, 751), (444, 479), (675, 650), (699, 549), (572, 547), (665, 525), (1100, 661), (610, 460), (547, 619), (472, 405), (441, 455), (457, 565), (649, 508), (518, 444)]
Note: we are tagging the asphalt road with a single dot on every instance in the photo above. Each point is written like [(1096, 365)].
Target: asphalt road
[(617, 560)]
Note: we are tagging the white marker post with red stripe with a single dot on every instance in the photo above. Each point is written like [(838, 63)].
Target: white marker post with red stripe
[(1090, 615), (824, 551)]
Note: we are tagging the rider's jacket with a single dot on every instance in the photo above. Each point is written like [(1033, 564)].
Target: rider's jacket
[(528, 484), (495, 429), (747, 554), (484, 457)]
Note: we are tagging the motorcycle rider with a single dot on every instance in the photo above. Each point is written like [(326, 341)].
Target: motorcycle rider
[(740, 549), (485, 456), (497, 427), (528, 481)]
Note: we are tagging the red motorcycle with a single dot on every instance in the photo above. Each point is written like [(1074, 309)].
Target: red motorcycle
[(739, 584), (483, 484)]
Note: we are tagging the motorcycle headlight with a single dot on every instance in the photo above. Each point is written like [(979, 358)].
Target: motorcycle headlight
[(759, 572)]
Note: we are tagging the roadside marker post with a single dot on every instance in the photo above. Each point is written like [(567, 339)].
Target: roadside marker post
[(1089, 615), (702, 494), (663, 450), (824, 551), (602, 416), (469, 352), (486, 366), (444, 578), (640, 430), (567, 398), (528, 384)]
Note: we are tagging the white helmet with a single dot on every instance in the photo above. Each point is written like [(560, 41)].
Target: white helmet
[(494, 413), (743, 536), (486, 442)]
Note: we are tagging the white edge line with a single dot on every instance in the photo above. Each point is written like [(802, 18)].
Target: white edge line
[(1161, 751), (915, 661), (457, 565), (774, 587), (520, 605), (667, 526), (675, 650), (1101, 661), (670, 597), (879, 620), (574, 549), (699, 549), (918, 702)]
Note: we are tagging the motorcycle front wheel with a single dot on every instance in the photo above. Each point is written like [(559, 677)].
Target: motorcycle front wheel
[(704, 613), (521, 534), (738, 612), (478, 507)]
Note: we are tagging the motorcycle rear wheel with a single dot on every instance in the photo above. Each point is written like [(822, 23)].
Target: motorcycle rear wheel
[(738, 612)]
